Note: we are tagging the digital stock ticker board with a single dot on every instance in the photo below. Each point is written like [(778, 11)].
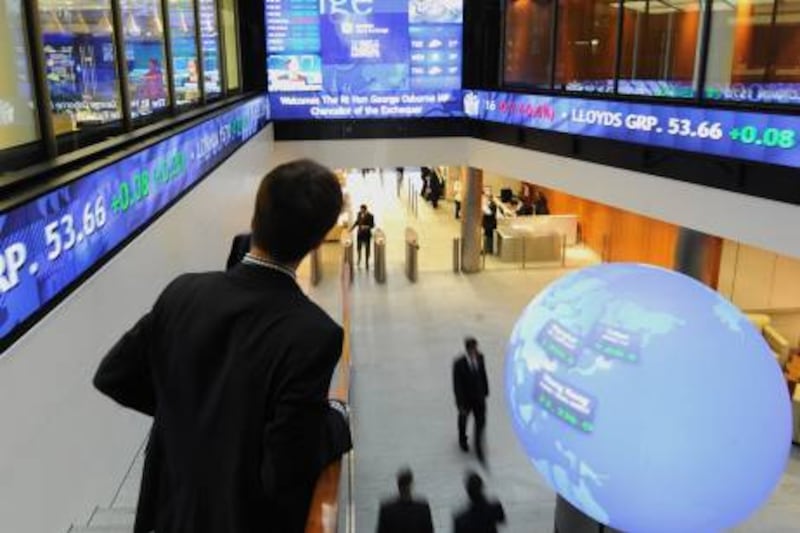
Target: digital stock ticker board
[(761, 137), (48, 243)]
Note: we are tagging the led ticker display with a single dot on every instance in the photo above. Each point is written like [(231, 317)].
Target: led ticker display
[(48, 243), (762, 137), (364, 58)]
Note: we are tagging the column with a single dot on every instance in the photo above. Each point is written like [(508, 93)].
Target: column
[(698, 255), (471, 215)]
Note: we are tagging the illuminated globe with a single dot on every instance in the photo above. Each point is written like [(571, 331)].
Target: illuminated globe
[(647, 400)]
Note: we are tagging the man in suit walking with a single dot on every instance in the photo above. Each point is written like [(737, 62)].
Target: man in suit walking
[(235, 367), (471, 388), (481, 515), (364, 222), (404, 514)]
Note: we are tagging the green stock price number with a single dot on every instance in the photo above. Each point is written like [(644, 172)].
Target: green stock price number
[(129, 194), (767, 137)]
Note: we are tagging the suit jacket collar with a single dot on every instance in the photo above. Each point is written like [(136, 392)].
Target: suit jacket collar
[(266, 277)]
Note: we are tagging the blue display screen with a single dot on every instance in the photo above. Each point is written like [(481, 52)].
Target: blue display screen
[(762, 137), (364, 58), (49, 242)]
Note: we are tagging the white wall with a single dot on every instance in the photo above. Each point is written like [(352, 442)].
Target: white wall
[(64, 448)]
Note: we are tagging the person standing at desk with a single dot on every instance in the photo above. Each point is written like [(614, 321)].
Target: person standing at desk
[(364, 222)]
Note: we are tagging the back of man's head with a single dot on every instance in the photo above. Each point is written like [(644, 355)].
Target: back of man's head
[(470, 344), (405, 478), (474, 486), (297, 203)]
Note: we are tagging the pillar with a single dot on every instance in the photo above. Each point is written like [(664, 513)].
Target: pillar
[(471, 216), (698, 255)]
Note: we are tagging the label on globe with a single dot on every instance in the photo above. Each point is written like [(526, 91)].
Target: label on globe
[(565, 402), (615, 343), (559, 342)]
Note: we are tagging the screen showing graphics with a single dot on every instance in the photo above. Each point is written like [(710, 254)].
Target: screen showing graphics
[(761, 137), (364, 58), (17, 118), (144, 53), (209, 35), (183, 41), (80, 63), (49, 242)]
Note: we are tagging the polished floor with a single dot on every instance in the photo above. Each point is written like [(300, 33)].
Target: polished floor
[(404, 338)]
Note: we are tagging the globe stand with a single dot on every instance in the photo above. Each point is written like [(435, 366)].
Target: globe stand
[(569, 519)]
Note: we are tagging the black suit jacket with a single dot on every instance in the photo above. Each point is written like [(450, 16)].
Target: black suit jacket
[(470, 387), (235, 369), (480, 517), (239, 248), (405, 516)]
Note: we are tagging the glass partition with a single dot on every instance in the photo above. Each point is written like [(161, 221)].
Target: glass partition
[(753, 54), (660, 47), (183, 37), (209, 36), (80, 63), (528, 42), (17, 116), (143, 28), (587, 45), (231, 44)]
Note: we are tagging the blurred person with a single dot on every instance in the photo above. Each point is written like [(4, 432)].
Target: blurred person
[(404, 514), (457, 197), (235, 368), (489, 223), (540, 203), (471, 388), (364, 222), (480, 515)]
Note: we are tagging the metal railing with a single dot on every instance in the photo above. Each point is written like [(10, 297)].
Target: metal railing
[(412, 253)]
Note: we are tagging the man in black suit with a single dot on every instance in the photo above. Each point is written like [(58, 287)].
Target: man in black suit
[(471, 389), (364, 222), (404, 514), (481, 515), (235, 367)]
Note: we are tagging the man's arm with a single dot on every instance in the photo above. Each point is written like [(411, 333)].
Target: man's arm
[(292, 436), (457, 385), (483, 376), (124, 374)]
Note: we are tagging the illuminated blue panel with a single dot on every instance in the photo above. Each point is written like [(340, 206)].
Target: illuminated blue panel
[(364, 58), (48, 243), (762, 137), (647, 400)]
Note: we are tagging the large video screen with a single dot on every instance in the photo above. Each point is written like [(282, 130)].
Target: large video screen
[(364, 58), (49, 242)]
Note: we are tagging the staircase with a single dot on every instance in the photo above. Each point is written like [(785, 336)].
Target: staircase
[(119, 516)]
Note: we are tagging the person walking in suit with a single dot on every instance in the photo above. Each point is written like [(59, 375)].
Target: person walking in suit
[(234, 368), (404, 514), (471, 388), (481, 515), (364, 222)]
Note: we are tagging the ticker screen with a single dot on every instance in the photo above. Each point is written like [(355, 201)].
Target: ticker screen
[(364, 58), (762, 137), (47, 243)]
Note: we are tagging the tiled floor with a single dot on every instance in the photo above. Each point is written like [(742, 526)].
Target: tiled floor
[(404, 338)]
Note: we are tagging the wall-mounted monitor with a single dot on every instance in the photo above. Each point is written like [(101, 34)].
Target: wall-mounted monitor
[(364, 59)]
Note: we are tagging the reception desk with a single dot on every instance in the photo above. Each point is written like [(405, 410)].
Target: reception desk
[(566, 225), (514, 245)]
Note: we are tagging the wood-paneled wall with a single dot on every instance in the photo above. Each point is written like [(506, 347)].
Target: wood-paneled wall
[(617, 235)]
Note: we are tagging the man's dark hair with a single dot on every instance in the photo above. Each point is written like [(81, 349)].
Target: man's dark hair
[(470, 343), (404, 480), (297, 203), (474, 486)]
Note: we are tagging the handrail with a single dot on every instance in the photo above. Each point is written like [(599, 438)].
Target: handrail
[(324, 512)]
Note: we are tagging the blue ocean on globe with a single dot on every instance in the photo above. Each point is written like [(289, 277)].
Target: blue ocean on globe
[(647, 400)]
